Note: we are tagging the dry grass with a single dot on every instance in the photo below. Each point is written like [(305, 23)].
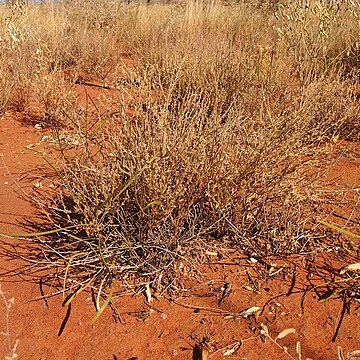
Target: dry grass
[(11, 348), (218, 118)]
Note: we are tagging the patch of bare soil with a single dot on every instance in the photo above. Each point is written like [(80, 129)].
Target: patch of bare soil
[(236, 311)]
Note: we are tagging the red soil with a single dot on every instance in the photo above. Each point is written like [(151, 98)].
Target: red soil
[(163, 329)]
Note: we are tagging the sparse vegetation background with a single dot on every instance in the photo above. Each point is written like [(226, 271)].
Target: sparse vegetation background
[(206, 134)]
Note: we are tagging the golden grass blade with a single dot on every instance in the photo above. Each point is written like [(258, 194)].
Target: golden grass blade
[(67, 269), (43, 233), (97, 304), (76, 293), (355, 267), (123, 187), (341, 355), (298, 349), (339, 229), (329, 295), (152, 203), (148, 293), (285, 333), (103, 307)]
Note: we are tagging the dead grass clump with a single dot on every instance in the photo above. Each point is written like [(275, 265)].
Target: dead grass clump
[(167, 186), (329, 111), (319, 36), (44, 50), (57, 98)]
